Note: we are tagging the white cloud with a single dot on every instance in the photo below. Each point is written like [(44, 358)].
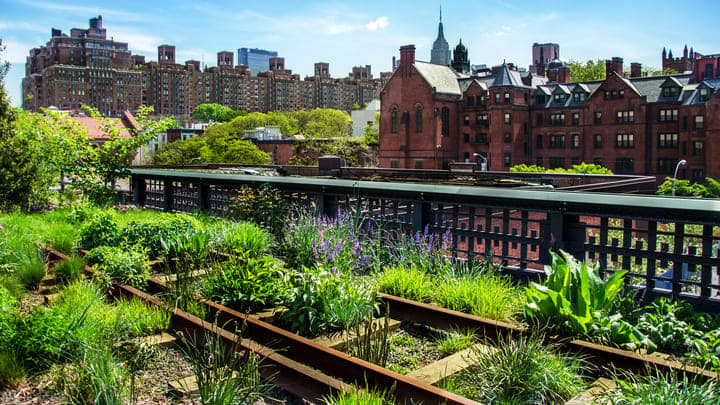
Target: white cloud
[(16, 52), (137, 41), (87, 11), (380, 23), (23, 26)]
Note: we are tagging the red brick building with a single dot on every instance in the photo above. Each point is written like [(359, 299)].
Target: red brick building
[(432, 115)]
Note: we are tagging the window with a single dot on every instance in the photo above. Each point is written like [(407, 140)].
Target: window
[(598, 117), (394, 120), (558, 98), (597, 143), (393, 164), (445, 118), (466, 119), (666, 166), (667, 140), (557, 141), (539, 141), (497, 98), (418, 118), (539, 162), (576, 140), (466, 138), (540, 99), (508, 118), (698, 148), (703, 94), (621, 93), (481, 119), (557, 162), (668, 115), (624, 165), (670, 91), (538, 119), (507, 159), (698, 176), (507, 98), (557, 119), (470, 101), (699, 122), (466, 157), (625, 141), (684, 122), (576, 118), (625, 117), (418, 164), (578, 97), (481, 139), (507, 138)]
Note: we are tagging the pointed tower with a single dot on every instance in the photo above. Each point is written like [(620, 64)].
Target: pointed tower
[(461, 63), (440, 53)]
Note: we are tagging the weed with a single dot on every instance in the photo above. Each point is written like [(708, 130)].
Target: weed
[(71, 269), (485, 295), (101, 230), (657, 388), (244, 238), (32, 269), (406, 282), (123, 264), (149, 232), (360, 397), (12, 371), (455, 341), (368, 340)]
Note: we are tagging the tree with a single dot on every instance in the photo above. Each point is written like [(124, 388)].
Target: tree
[(217, 147), (215, 113), (585, 72)]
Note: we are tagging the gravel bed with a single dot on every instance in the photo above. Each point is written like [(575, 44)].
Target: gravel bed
[(412, 347)]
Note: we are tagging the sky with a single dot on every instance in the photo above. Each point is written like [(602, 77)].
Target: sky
[(370, 32)]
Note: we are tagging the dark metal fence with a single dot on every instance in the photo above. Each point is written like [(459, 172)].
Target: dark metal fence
[(669, 246)]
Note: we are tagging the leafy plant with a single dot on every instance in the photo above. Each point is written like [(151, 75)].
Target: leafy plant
[(521, 370), (245, 283), (705, 351), (32, 269), (360, 397), (101, 230), (368, 340), (70, 269), (149, 232), (662, 323), (297, 243), (264, 206), (123, 264), (406, 282), (243, 237), (454, 341), (574, 297), (96, 378), (657, 388)]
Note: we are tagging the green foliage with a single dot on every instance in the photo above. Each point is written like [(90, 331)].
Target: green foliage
[(245, 283), (406, 282), (127, 265), (224, 374), (12, 371), (297, 246), (18, 172), (585, 72), (522, 371), (584, 168), (663, 323), (149, 233), (574, 297), (368, 340), (32, 269), (215, 113), (211, 148), (264, 206), (485, 295), (243, 238), (371, 135), (367, 396), (81, 212), (101, 230), (705, 350), (683, 188), (96, 378), (308, 150), (454, 341), (657, 388), (71, 269), (62, 237)]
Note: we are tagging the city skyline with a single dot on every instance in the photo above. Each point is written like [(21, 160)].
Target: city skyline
[(347, 36)]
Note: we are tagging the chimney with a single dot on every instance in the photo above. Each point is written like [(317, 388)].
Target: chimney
[(407, 58), (166, 54), (608, 68), (563, 74), (617, 65), (635, 70)]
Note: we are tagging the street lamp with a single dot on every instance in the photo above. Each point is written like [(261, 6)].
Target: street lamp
[(680, 163), (483, 164)]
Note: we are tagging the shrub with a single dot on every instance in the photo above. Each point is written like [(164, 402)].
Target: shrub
[(523, 371), (123, 264), (245, 284), (32, 269), (663, 324), (243, 237), (71, 269), (705, 351), (82, 211), (406, 282), (148, 233), (263, 205), (101, 230), (485, 295)]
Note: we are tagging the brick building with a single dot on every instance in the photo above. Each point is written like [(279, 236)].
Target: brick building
[(432, 115), (87, 68)]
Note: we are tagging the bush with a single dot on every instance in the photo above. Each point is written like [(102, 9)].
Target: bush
[(101, 230), (123, 264), (148, 233), (264, 205), (409, 283), (244, 238), (71, 269), (245, 284)]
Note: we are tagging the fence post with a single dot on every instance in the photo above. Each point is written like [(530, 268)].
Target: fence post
[(203, 196), (568, 234), (329, 205), (422, 214), (138, 190), (167, 188)]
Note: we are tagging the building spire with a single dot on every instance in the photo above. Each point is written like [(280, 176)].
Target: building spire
[(441, 14)]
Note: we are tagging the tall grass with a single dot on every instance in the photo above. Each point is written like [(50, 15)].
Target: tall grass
[(657, 388), (12, 371), (360, 397), (406, 282), (454, 341), (96, 378), (31, 269), (485, 295), (71, 269), (242, 237)]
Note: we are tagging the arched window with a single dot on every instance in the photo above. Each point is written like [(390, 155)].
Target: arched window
[(393, 120), (445, 117), (418, 118)]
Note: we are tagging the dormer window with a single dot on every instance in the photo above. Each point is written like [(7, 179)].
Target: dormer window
[(559, 98), (578, 97), (540, 99), (670, 91), (703, 94)]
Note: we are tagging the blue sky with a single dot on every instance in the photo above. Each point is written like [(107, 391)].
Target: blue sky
[(346, 33)]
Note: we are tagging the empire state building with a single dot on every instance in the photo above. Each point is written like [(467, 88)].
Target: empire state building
[(440, 53)]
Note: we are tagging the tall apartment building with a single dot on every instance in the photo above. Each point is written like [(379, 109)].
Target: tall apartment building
[(432, 115), (86, 68), (258, 60)]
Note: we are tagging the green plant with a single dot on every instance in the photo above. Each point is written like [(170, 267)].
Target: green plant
[(662, 322), (123, 264), (242, 237), (96, 378), (705, 350), (70, 269), (12, 371), (136, 318), (406, 282), (32, 269), (101, 230), (245, 283), (574, 297), (485, 295), (368, 340), (521, 370), (184, 251), (454, 341), (82, 211), (223, 373), (62, 239), (367, 396), (149, 232), (657, 388), (263, 205), (297, 243)]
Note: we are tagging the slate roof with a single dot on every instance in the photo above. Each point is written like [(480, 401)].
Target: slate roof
[(507, 77), (443, 78), (568, 89)]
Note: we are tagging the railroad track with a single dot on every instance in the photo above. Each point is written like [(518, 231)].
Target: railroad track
[(308, 369)]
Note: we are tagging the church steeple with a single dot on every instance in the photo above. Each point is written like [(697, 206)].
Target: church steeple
[(440, 53)]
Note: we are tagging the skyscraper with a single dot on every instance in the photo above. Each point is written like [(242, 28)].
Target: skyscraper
[(440, 54), (258, 60)]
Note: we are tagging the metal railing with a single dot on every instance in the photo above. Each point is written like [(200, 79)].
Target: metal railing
[(669, 246)]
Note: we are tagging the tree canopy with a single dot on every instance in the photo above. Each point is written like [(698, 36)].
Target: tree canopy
[(586, 168), (585, 72), (215, 113)]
